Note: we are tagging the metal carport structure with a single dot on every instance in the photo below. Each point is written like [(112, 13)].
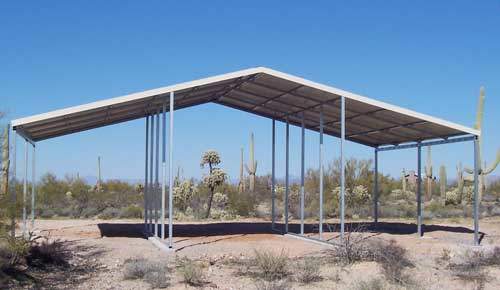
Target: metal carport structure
[(267, 93)]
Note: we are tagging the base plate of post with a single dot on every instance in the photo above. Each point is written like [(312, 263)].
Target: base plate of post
[(160, 245)]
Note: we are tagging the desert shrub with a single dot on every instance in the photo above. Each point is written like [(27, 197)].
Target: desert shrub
[(131, 211), (46, 212), (393, 260), (272, 285), (353, 248), (13, 252), (242, 204), (308, 270), (157, 279), (470, 267), (445, 256), (192, 272), (47, 252), (109, 213), (372, 284), (271, 266), (403, 195), (89, 212), (138, 268)]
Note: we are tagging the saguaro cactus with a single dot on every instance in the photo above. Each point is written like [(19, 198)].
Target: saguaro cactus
[(460, 180), (241, 184), (252, 169), (484, 170), (442, 182), (428, 174), (403, 180)]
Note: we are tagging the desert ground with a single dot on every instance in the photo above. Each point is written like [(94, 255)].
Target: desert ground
[(101, 247)]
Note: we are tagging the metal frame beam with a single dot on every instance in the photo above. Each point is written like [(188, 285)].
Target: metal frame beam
[(33, 186), (321, 148), (163, 168), (426, 143), (146, 189), (477, 165), (302, 169), (273, 176), (287, 168), (375, 188), (419, 191), (342, 168), (170, 173)]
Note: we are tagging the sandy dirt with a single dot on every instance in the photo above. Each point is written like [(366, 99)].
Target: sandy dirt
[(106, 244)]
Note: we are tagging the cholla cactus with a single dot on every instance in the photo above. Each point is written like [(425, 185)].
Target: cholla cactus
[(442, 182), (453, 197), (252, 169), (428, 174), (358, 195), (183, 194), (484, 170), (220, 200), (215, 177)]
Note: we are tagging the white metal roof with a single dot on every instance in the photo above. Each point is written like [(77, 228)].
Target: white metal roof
[(261, 91)]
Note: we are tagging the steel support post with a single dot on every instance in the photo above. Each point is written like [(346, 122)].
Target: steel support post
[(302, 168), (419, 191), (287, 153), (163, 167), (375, 188), (25, 185), (321, 148), (476, 188), (342, 167), (170, 174), (13, 188), (33, 187), (151, 175), (146, 190), (157, 171), (273, 176)]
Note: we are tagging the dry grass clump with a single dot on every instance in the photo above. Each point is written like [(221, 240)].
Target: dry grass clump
[(271, 266), (272, 285), (151, 272), (191, 271), (389, 255), (372, 284), (308, 270), (47, 253), (471, 265)]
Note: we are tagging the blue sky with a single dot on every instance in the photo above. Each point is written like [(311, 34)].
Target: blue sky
[(429, 56)]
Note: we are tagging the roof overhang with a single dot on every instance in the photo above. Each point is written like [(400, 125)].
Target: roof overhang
[(261, 91)]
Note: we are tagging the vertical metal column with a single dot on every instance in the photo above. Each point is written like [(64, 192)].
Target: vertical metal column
[(286, 173), (342, 167), (151, 174), (273, 176), (476, 188), (25, 184), (321, 173), (13, 188), (146, 197), (157, 170), (419, 190), (163, 168), (170, 173), (375, 188), (302, 168), (33, 188)]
